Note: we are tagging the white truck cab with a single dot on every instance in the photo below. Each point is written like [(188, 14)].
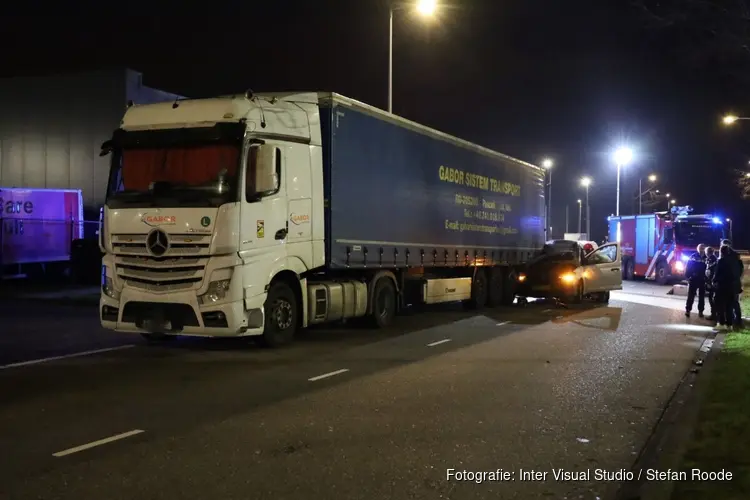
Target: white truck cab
[(236, 204)]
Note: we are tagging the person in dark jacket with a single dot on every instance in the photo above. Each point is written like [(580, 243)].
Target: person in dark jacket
[(725, 284), (711, 260), (739, 272), (696, 276)]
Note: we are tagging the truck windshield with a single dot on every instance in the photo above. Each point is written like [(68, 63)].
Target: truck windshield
[(692, 234), (175, 168)]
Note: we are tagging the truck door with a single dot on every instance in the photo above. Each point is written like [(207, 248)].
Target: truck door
[(263, 221)]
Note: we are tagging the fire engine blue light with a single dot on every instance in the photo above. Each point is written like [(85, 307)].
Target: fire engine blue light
[(717, 220), (685, 258)]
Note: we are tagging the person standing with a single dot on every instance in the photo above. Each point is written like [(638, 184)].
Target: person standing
[(725, 284), (696, 276), (711, 260), (739, 272)]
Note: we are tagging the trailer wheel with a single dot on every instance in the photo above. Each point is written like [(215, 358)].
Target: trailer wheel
[(383, 303), (495, 288), (662, 273), (281, 310), (479, 292)]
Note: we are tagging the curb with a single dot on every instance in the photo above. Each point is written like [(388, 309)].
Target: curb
[(667, 444)]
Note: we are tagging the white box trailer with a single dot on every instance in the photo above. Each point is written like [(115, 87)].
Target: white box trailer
[(38, 227)]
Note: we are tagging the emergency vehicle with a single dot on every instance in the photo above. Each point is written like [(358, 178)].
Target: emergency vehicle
[(658, 245)]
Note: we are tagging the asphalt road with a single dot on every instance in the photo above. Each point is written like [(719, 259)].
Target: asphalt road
[(346, 412)]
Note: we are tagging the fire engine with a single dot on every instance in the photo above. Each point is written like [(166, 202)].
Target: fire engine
[(659, 245)]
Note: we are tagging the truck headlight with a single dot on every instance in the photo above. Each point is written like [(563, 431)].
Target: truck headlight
[(521, 277), (568, 278), (108, 286), (679, 266), (217, 290)]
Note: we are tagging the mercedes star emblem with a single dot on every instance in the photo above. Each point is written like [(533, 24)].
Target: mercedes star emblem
[(157, 242)]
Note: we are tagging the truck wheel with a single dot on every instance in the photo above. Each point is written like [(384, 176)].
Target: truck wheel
[(479, 292), (662, 273), (495, 287), (281, 316), (509, 288), (383, 303), (628, 271)]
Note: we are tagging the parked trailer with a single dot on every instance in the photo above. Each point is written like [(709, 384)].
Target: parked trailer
[(258, 215), (38, 227), (658, 245)]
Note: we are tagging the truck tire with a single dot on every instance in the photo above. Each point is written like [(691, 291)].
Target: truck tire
[(282, 313), (628, 270), (495, 287), (383, 303), (479, 290), (510, 280), (577, 296), (662, 273)]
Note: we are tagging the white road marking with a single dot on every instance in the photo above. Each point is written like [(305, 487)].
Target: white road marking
[(438, 342), (65, 356), (330, 374), (503, 323), (100, 442), (547, 310)]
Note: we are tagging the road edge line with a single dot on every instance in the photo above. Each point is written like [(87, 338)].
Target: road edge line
[(98, 442), (667, 443)]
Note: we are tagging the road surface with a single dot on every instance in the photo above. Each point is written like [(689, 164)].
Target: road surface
[(346, 412)]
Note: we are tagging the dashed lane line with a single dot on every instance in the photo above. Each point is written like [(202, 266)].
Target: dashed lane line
[(64, 356), (94, 444), (329, 374)]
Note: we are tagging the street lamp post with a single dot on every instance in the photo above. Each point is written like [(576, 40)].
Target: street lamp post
[(651, 178), (622, 157), (731, 238), (425, 8), (579, 216), (548, 164), (586, 182)]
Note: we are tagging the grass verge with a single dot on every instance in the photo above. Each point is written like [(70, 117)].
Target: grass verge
[(721, 439)]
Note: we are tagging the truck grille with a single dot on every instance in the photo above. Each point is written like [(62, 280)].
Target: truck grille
[(182, 267)]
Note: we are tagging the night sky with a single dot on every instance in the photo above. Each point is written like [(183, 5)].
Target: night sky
[(566, 79)]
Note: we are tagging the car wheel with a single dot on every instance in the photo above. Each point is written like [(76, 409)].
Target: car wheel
[(577, 296)]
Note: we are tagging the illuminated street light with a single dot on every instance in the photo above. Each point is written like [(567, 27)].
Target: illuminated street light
[(548, 164), (730, 119), (747, 174), (622, 157), (425, 8), (652, 178), (586, 182)]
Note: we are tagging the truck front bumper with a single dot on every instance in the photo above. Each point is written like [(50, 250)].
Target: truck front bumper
[(181, 314)]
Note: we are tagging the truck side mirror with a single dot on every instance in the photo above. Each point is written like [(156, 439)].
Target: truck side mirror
[(266, 175)]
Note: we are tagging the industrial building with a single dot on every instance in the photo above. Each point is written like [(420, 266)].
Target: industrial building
[(51, 129)]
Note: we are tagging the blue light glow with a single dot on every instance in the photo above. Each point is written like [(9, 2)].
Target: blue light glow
[(685, 257), (717, 220)]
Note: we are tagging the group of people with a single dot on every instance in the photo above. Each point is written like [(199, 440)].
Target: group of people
[(718, 278)]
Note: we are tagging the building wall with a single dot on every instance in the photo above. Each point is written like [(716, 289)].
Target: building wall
[(51, 128)]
